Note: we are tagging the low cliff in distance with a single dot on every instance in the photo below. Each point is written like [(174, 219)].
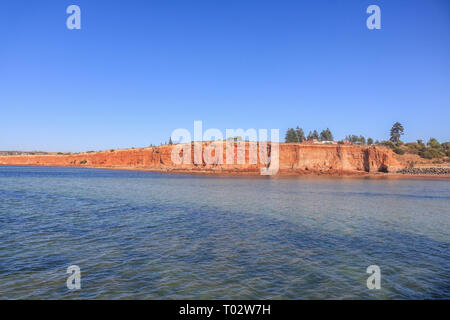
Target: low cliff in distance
[(294, 159)]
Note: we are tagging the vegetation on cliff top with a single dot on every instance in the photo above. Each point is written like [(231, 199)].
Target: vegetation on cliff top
[(432, 149), (297, 135)]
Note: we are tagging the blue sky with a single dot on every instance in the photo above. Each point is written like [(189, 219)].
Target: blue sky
[(137, 70)]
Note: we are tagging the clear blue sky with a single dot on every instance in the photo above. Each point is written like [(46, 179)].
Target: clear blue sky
[(137, 70)]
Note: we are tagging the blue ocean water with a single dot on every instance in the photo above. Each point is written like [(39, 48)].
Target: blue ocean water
[(147, 235)]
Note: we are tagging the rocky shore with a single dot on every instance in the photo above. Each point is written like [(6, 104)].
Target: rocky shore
[(425, 171)]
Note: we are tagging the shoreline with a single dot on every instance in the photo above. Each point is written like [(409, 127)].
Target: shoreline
[(244, 174), (294, 160)]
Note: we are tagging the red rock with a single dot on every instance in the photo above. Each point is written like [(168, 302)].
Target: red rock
[(294, 159)]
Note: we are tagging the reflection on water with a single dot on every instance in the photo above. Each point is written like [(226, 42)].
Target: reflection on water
[(152, 236)]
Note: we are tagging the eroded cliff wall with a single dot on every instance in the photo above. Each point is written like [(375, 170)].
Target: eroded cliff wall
[(293, 159)]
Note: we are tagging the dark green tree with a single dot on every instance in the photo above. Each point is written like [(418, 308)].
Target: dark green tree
[(369, 141), (396, 132), (326, 135), (300, 134), (170, 141), (330, 135), (446, 146), (315, 135), (362, 139), (291, 136), (355, 139), (433, 143)]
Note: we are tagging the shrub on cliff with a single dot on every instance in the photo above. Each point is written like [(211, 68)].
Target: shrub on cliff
[(389, 144), (446, 146), (413, 148), (394, 147), (433, 143), (433, 149), (430, 153)]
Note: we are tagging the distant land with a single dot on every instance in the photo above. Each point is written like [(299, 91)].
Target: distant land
[(24, 153)]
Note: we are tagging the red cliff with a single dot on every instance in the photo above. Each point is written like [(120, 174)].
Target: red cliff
[(294, 159)]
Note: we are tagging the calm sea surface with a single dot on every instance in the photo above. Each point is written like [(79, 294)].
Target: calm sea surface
[(153, 236)]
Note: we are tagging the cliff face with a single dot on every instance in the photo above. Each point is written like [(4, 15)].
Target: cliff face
[(294, 159), (336, 159)]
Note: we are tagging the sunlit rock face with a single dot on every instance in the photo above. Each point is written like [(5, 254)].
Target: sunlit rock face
[(294, 159)]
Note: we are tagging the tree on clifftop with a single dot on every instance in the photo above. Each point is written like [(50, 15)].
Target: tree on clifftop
[(326, 135), (355, 139), (291, 136), (313, 135), (294, 135), (396, 132), (362, 139), (300, 134)]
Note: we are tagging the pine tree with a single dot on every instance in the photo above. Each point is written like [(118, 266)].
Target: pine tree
[(291, 136), (315, 135), (170, 141), (323, 136), (330, 135), (355, 139), (362, 139), (396, 132), (300, 134), (287, 135), (326, 135)]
